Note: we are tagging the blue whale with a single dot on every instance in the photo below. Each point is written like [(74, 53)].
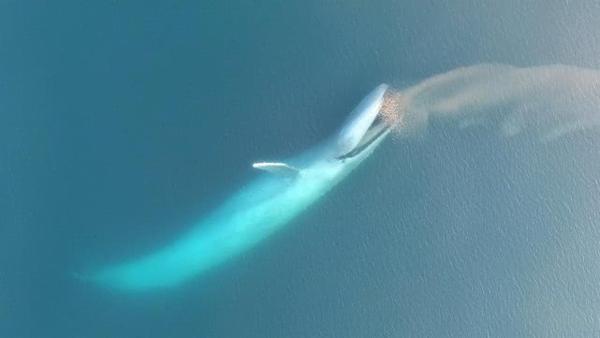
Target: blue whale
[(257, 209)]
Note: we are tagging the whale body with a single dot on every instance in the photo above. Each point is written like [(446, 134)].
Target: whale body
[(257, 209)]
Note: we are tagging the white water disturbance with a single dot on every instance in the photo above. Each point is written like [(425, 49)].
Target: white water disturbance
[(545, 101)]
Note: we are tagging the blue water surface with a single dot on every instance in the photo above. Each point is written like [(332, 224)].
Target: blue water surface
[(121, 123)]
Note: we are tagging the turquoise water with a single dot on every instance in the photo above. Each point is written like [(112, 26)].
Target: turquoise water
[(122, 124)]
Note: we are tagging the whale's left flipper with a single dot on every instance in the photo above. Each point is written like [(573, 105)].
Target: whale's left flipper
[(279, 168)]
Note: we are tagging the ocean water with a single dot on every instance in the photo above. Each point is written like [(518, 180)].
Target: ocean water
[(121, 124)]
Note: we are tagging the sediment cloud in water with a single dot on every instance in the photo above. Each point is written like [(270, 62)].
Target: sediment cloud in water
[(544, 101)]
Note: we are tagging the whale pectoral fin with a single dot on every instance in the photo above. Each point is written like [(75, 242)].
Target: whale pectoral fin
[(278, 168)]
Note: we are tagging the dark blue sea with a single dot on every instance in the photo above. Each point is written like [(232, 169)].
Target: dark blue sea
[(122, 123)]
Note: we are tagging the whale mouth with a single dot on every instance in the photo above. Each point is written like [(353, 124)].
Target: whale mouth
[(376, 130)]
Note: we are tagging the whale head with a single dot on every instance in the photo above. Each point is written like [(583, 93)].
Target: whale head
[(363, 129)]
